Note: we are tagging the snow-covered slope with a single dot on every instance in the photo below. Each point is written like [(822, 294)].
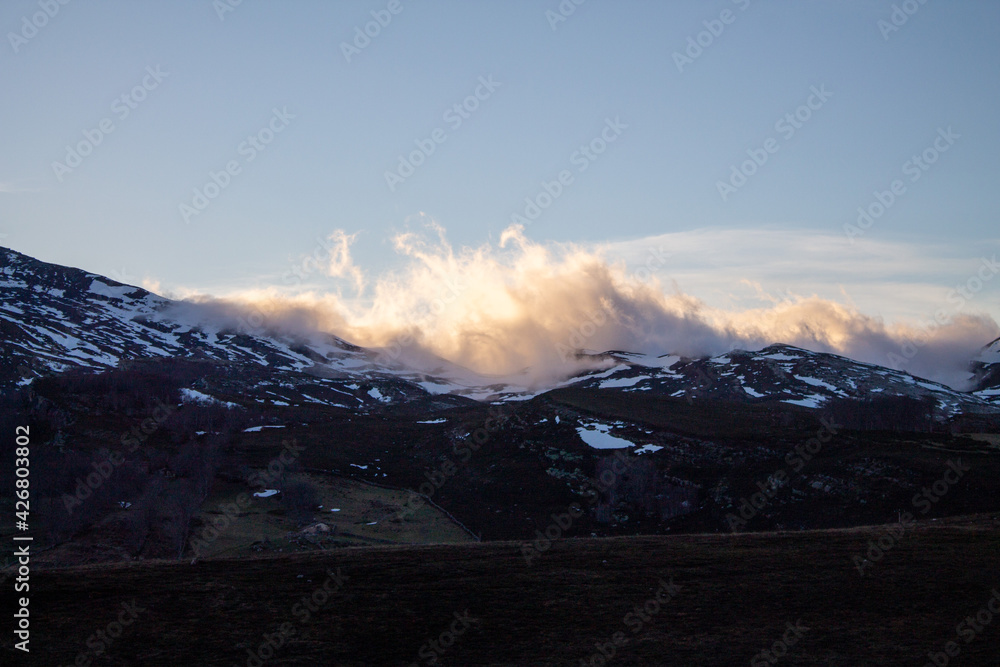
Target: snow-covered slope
[(986, 371), (62, 317), (54, 318), (779, 373)]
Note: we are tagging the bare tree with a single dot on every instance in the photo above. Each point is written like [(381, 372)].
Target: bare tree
[(139, 519), (300, 497)]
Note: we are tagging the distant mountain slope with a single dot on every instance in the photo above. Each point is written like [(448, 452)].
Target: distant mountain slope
[(986, 368), (780, 373), (64, 317), (53, 318)]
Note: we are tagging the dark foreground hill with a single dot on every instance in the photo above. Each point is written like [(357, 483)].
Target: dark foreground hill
[(809, 598), (293, 479)]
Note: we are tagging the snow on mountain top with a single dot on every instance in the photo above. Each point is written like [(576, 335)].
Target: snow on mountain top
[(57, 318), (990, 353), (114, 292)]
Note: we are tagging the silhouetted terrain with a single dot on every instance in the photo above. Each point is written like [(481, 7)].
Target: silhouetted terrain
[(722, 600), (214, 476)]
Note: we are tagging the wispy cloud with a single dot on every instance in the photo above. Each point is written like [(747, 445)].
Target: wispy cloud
[(15, 187), (743, 268)]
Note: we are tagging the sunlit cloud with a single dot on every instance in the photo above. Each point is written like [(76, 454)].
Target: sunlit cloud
[(522, 308), (340, 263)]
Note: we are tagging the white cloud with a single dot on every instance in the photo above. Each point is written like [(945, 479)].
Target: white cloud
[(501, 309), (741, 268), (12, 187)]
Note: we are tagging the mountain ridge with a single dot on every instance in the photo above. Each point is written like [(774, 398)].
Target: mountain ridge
[(54, 318)]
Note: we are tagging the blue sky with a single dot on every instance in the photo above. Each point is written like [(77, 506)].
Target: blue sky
[(344, 124)]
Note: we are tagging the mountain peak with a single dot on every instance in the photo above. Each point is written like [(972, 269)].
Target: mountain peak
[(55, 318)]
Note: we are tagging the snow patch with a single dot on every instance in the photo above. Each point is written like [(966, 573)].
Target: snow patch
[(599, 437), (622, 382), (193, 396), (780, 356), (103, 289), (813, 401), (816, 383), (377, 395)]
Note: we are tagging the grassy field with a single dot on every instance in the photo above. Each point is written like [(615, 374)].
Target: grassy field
[(730, 597), (365, 514), (992, 438)]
